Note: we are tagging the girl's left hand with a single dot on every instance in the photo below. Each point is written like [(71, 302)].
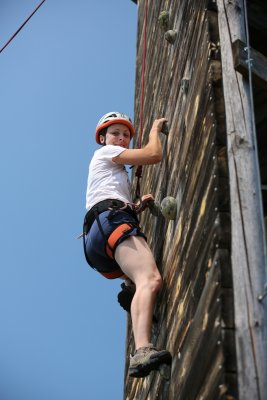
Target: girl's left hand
[(146, 198)]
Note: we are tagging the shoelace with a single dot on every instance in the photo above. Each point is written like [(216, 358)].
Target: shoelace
[(145, 350)]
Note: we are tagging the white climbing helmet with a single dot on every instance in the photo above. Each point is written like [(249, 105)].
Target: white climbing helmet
[(113, 117)]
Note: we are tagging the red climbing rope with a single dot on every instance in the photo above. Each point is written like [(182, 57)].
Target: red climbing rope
[(24, 23), (138, 172), (143, 77)]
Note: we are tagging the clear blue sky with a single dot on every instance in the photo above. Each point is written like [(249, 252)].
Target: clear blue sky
[(62, 334)]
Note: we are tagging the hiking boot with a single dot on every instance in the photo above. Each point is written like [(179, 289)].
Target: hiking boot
[(147, 359)]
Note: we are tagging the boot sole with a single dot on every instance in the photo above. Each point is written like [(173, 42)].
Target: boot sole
[(142, 370)]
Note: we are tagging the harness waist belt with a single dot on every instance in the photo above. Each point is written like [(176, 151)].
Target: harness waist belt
[(102, 206)]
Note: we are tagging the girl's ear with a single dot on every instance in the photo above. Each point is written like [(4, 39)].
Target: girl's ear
[(102, 139)]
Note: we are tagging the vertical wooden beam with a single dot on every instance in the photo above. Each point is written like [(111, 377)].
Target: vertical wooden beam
[(248, 252)]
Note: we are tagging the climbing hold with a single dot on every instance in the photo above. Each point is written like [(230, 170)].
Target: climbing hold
[(165, 128), (164, 20), (185, 84), (165, 371), (169, 207), (170, 36), (154, 208)]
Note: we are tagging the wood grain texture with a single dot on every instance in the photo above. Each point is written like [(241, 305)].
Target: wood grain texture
[(248, 258), (195, 309), (192, 252)]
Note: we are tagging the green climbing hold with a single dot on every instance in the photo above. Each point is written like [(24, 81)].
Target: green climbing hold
[(164, 20), (169, 207)]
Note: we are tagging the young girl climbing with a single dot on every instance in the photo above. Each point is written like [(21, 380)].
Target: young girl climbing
[(114, 244)]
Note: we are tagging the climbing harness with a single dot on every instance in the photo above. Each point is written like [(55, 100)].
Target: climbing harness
[(115, 236), (123, 229)]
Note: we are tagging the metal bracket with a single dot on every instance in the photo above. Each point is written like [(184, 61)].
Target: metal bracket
[(261, 296)]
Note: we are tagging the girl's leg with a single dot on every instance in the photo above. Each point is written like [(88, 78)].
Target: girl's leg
[(137, 262)]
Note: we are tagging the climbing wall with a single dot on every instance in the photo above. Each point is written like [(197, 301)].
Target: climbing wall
[(195, 308)]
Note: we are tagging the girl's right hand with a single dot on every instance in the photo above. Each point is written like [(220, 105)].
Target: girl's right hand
[(157, 125), (148, 155)]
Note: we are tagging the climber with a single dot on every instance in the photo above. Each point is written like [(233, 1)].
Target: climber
[(114, 244)]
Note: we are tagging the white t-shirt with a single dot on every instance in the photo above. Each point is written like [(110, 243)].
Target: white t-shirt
[(106, 179)]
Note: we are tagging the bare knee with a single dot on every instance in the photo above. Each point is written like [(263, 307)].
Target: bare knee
[(153, 283), (158, 283)]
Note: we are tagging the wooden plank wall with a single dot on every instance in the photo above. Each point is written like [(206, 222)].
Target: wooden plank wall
[(248, 242), (195, 307)]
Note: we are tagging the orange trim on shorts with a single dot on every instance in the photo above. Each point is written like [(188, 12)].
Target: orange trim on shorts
[(115, 236), (112, 275)]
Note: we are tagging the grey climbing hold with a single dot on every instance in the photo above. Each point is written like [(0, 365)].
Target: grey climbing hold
[(165, 128), (169, 207), (164, 20), (165, 371), (170, 36), (154, 208), (185, 84)]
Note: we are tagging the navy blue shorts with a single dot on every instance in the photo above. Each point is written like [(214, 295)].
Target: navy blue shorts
[(95, 243)]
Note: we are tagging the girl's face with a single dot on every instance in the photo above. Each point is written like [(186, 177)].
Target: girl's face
[(117, 135)]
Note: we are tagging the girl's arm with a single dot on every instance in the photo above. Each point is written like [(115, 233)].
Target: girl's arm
[(150, 154)]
